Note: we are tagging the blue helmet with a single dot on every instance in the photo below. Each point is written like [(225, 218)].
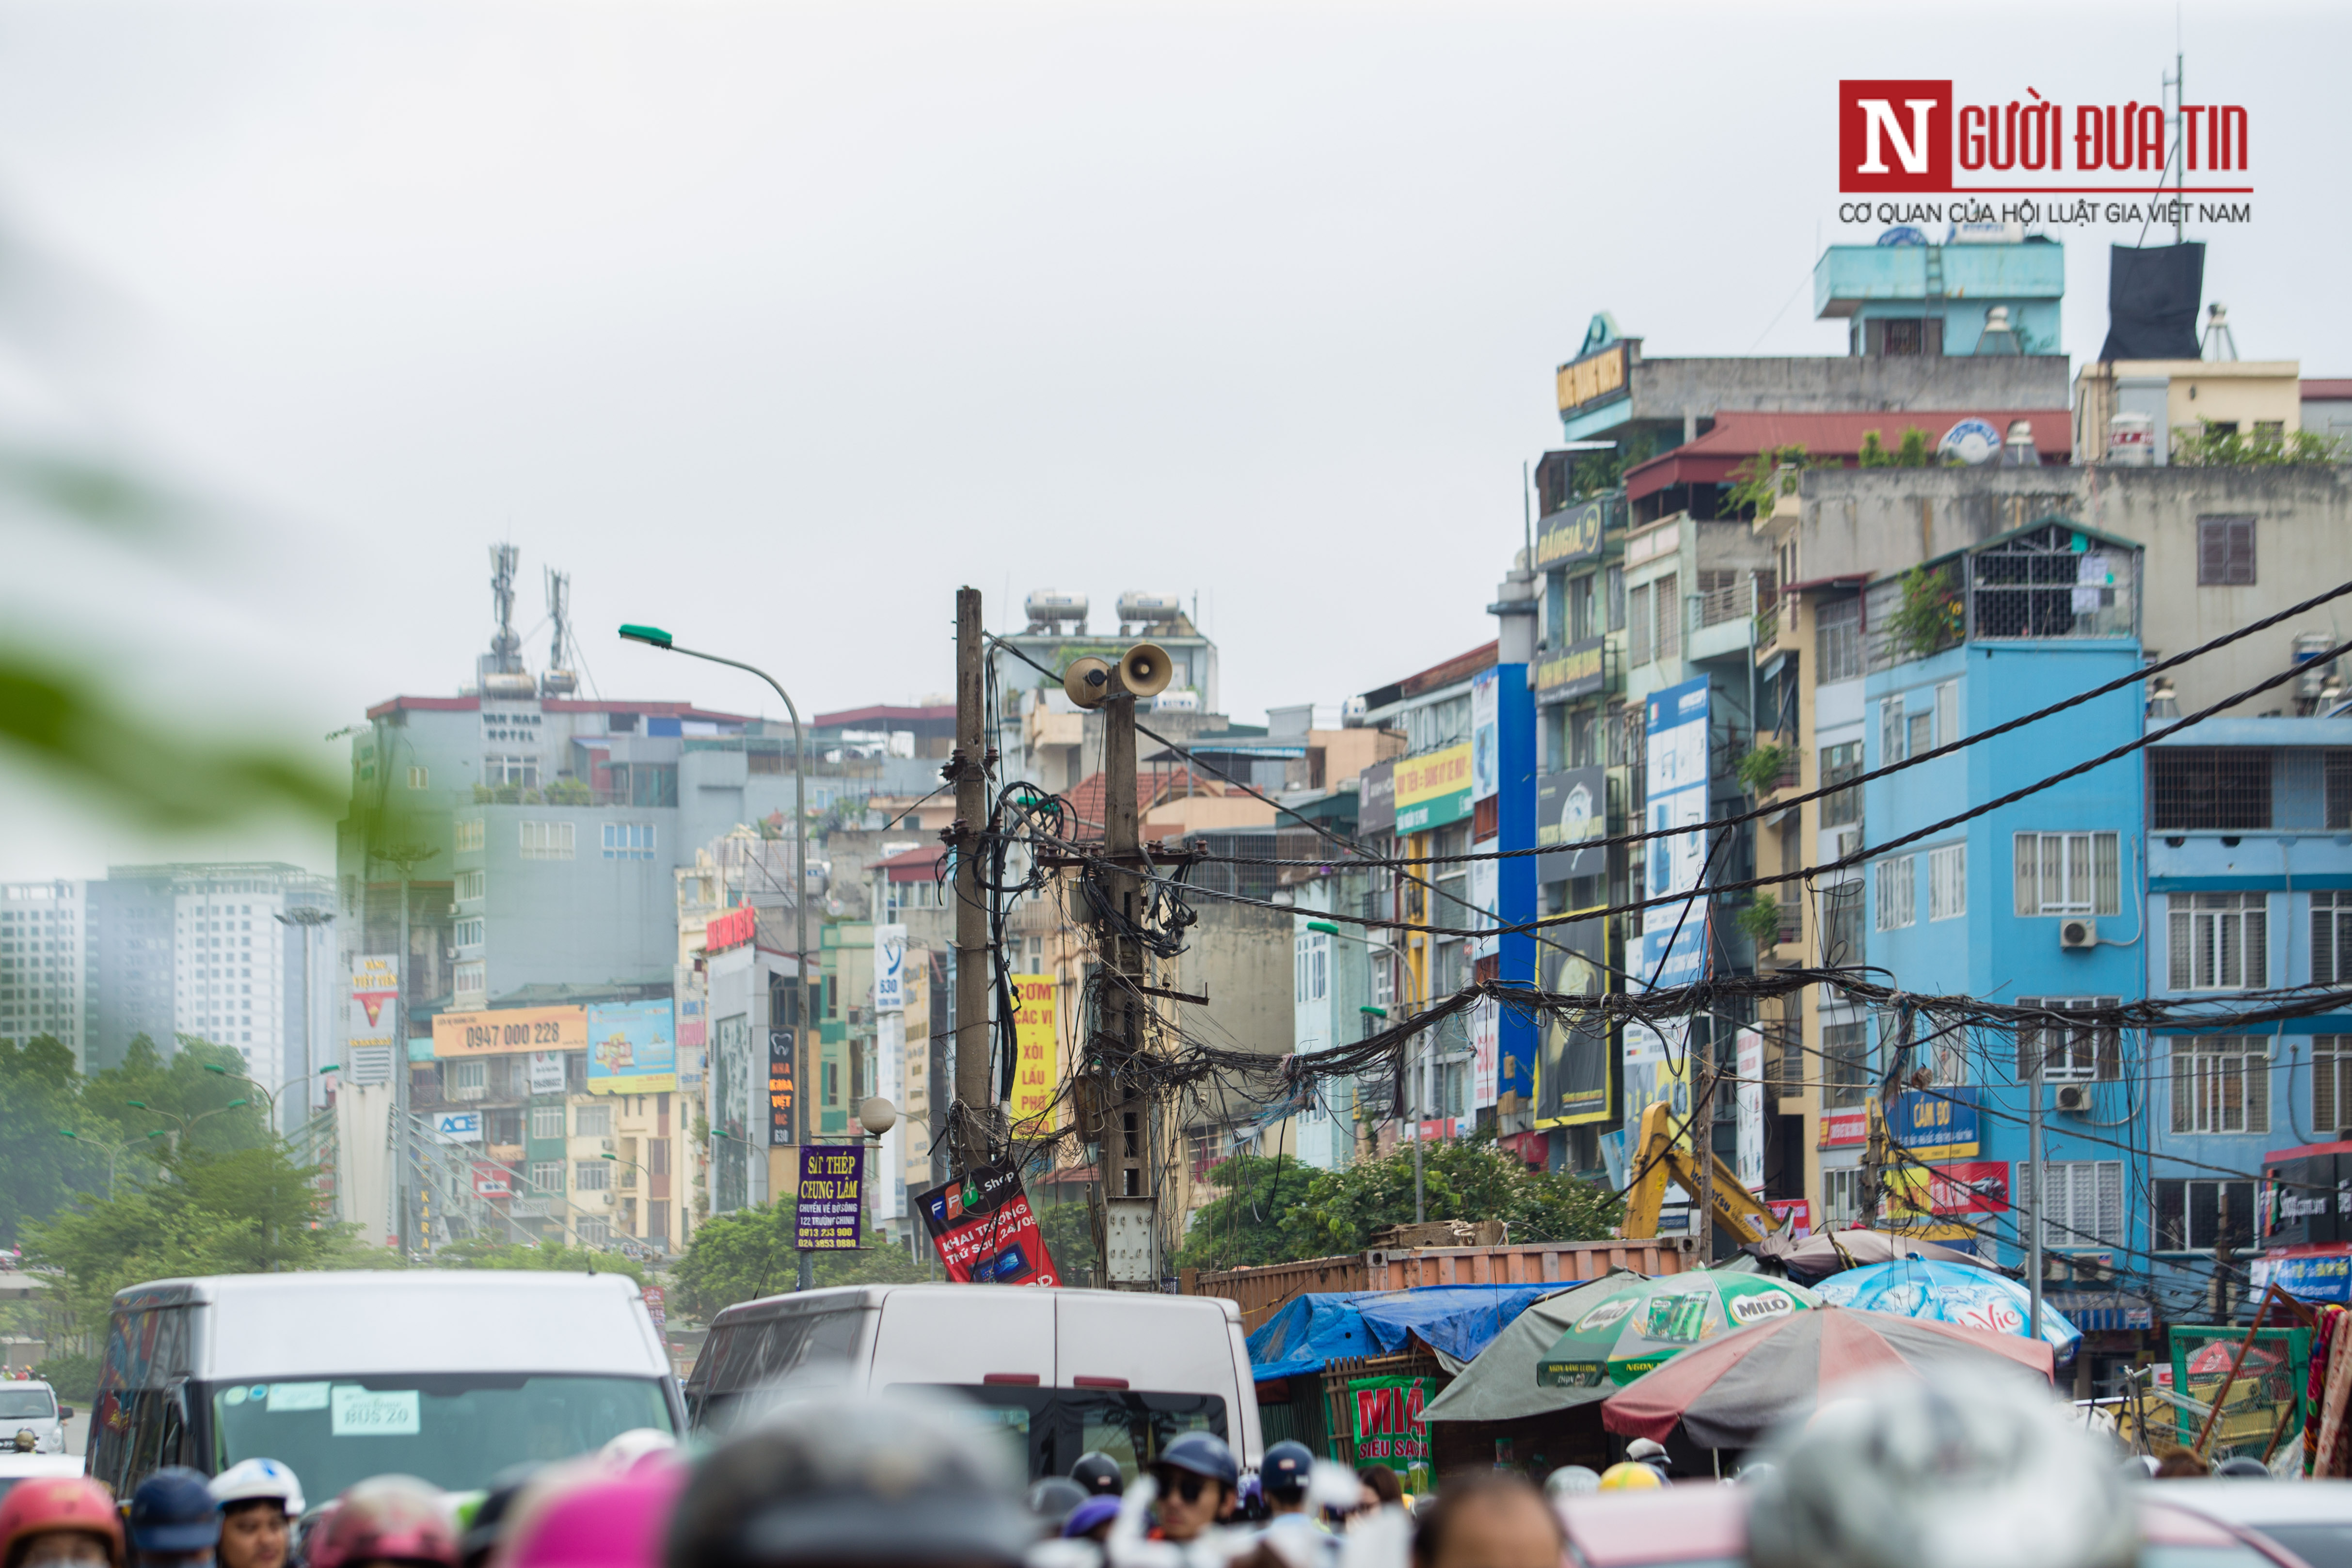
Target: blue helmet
[(1203, 1454), (173, 1511), (1289, 1466)]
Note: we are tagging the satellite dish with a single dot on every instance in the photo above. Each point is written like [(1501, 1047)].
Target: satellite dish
[(1973, 441)]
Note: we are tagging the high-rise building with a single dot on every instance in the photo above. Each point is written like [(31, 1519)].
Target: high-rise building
[(44, 944)]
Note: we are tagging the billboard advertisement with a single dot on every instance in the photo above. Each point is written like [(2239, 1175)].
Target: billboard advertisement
[(1673, 934), (780, 1088), (1485, 735), (511, 1031), (1571, 809), (830, 1200), (375, 1017), (1035, 1037), (1747, 1047), (1432, 789), (457, 1126), (1375, 800), (984, 1230), (890, 968), (1573, 1054), (1964, 1186), (632, 1048), (1936, 1123)]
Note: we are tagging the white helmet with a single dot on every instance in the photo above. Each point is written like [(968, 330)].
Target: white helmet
[(250, 1478)]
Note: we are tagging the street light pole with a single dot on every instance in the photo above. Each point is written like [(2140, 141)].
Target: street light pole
[(655, 637), (308, 918)]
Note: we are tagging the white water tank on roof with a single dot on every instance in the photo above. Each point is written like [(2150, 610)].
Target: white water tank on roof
[(1049, 605), (1149, 609)]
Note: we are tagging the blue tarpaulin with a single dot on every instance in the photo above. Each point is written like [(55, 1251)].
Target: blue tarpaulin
[(1320, 1326)]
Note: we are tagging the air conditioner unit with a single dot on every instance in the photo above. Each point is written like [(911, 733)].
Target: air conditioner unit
[(2078, 933), (606, 1198), (2074, 1097), (1841, 841), (606, 1145)]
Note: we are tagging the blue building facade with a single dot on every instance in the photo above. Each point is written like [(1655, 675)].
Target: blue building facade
[(2250, 886), (2023, 904)]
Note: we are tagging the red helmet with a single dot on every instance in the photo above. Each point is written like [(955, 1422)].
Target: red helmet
[(58, 1502), (395, 1518)]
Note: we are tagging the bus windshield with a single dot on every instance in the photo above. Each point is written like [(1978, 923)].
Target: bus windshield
[(453, 1429)]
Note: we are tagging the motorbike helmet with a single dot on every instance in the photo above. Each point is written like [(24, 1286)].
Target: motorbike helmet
[(1203, 1454), (250, 1480), (1287, 1468), (172, 1511), (39, 1504), (1571, 1480), (387, 1519), (1630, 1475), (1100, 1474), (1052, 1499)]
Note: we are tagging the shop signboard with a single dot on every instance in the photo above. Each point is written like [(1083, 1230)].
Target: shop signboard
[(1657, 1059), (1673, 934), (457, 1126), (830, 1201), (780, 1088), (1963, 1187), (1748, 1057), (1573, 1054), (983, 1229), (2319, 1272), (657, 1306), (1576, 671), (511, 1031), (732, 929), (890, 968), (1573, 535), (1844, 1129), (374, 1018), (1795, 1213), (1571, 809), (632, 1048), (1375, 800), (1485, 1048), (1385, 1413), (1936, 1123), (547, 1073), (1036, 1040), (1432, 789), (492, 1179), (1596, 376), (2305, 1199), (1486, 734)]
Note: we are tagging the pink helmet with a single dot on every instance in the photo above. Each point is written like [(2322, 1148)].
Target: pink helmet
[(395, 1518), (44, 1503), (604, 1521)]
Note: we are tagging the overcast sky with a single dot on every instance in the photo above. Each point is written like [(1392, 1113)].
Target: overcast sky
[(774, 323)]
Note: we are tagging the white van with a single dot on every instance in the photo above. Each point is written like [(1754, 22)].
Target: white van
[(450, 1375), (1067, 1371)]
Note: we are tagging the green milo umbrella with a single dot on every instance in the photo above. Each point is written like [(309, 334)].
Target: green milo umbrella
[(1624, 1333)]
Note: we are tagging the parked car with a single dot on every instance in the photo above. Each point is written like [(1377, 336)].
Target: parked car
[(1066, 1371), (1695, 1525), (31, 1406), (2311, 1518), (447, 1375)]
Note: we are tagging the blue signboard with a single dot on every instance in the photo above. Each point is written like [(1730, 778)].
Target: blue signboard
[(2320, 1275), (632, 1048), (1673, 934), (1936, 1123)]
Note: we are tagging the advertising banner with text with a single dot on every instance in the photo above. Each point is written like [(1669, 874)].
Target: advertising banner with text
[(511, 1031)]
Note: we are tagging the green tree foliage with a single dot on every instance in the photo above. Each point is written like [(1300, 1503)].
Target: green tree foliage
[(2207, 445), (1067, 1229), (742, 1256), (38, 1096), (1333, 1212), (551, 1255), (246, 1212), (1915, 450), (1930, 617)]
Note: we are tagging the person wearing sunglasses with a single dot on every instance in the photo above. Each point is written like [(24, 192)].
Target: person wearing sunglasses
[(1198, 1482)]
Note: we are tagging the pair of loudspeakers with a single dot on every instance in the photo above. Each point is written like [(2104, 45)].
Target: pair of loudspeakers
[(1143, 671)]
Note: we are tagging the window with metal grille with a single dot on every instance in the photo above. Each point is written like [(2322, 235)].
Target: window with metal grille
[(1948, 882), (591, 1175), (1641, 638), (2199, 1216), (2331, 1085), (2338, 767), (1839, 764), (2220, 1083), (1666, 596), (2331, 938), (592, 1232), (2069, 1052), (1841, 1196), (547, 1121), (1841, 924), (2224, 787), (1846, 1063), (1837, 641), (1898, 902), (2051, 583), (470, 885), (2082, 1201), (2225, 551), (2218, 941), (463, 1077), (2068, 873), (547, 1175)]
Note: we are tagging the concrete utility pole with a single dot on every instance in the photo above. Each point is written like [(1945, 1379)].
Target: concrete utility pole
[(1703, 1072), (974, 1091), (1126, 1131), (2041, 1179)]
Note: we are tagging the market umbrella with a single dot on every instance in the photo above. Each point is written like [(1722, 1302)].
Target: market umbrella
[(1969, 1298), (1831, 1251), (1624, 1333), (1499, 1383), (1729, 1393)]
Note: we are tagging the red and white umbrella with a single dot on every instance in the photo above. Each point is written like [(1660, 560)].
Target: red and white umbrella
[(1728, 1393)]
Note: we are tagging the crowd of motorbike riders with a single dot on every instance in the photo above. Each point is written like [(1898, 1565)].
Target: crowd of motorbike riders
[(841, 1482)]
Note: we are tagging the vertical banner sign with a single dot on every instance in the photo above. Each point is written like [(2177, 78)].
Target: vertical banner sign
[(890, 1083), (830, 1200), (1485, 737), (1386, 1413), (780, 1088), (374, 1014), (547, 1073), (1480, 878), (1673, 934), (1572, 1052), (1036, 1039), (1486, 1050), (890, 968), (1657, 1069), (983, 1229), (1749, 1048), (657, 1306)]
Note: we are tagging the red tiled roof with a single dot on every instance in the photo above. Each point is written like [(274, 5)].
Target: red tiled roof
[(883, 714), (1738, 437), (1459, 668), (918, 864), (2328, 390), (1089, 798)]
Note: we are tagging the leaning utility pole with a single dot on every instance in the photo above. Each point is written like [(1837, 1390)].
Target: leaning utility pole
[(974, 1092), (1126, 1134)]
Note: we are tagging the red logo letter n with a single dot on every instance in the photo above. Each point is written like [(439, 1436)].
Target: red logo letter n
[(1895, 136)]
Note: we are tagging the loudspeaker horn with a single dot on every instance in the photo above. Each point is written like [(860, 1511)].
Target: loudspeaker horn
[(1144, 670), (1087, 681)]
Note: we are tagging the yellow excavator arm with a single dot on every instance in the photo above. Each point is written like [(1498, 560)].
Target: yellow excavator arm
[(1656, 1161)]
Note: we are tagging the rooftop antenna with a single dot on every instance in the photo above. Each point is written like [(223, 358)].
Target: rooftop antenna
[(2177, 82), (500, 670), (2220, 343), (559, 681)]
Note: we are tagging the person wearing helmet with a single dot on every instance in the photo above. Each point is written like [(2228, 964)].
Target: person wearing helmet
[(175, 1523), (1650, 1452), (1292, 1530), (60, 1521), (828, 1479), (1628, 1475), (1091, 1520), (1198, 1483), (383, 1520), (259, 1500), (1571, 1480), (1053, 1498), (1100, 1474)]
